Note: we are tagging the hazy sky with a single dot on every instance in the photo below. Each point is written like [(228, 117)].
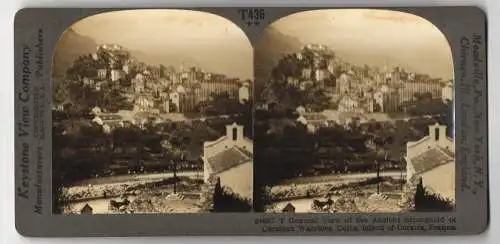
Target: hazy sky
[(378, 34), (173, 36)]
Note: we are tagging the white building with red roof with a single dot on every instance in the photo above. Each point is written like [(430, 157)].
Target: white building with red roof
[(230, 158), (432, 159)]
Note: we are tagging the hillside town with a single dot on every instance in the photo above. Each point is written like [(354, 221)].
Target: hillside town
[(328, 129), (127, 135), (317, 80), (156, 89)]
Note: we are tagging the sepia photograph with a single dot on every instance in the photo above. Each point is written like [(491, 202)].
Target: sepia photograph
[(353, 113), (152, 113)]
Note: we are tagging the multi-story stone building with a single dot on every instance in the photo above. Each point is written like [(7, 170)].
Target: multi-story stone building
[(292, 82), (244, 93), (428, 86), (109, 47), (187, 102), (321, 74), (219, 84), (144, 103), (88, 82), (138, 83), (117, 74), (126, 69), (348, 104), (306, 73), (447, 92), (343, 84), (102, 73), (392, 102), (155, 71), (175, 101)]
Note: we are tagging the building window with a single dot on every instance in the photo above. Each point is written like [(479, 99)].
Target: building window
[(235, 134), (436, 134)]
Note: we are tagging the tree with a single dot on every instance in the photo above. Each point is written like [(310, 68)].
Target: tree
[(223, 104), (61, 93), (380, 145), (125, 135), (168, 152), (83, 66), (429, 202), (246, 118), (111, 98), (419, 193), (175, 148), (225, 201), (424, 104), (316, 98)]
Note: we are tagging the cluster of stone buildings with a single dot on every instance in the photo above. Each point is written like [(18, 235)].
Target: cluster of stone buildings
[(160, 88), (182, 92), (363, 89)]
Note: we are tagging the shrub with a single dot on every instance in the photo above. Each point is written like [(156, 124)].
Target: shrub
[(226, 201), (429, 202)]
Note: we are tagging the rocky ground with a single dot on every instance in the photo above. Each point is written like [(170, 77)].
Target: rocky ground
[(155, 201), (348, 197), (81, 193), (161, 202), (294, 191), (376, 203), (140, 197)]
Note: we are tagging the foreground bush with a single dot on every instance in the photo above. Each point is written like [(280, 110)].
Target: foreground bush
[(430, 202)]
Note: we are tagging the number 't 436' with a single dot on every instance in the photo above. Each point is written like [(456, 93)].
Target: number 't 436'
[(252, 14)]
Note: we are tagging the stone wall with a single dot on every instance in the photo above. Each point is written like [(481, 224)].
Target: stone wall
[(207, 196)]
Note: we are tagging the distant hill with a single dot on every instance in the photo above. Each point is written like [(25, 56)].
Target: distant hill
[(271, 46), (71, 45), (373, 59), (172, 58), (210, 59)]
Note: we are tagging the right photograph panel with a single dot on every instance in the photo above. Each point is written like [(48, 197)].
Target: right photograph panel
[(353, 113)]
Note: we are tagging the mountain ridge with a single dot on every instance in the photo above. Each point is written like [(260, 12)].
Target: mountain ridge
[(70, 46)]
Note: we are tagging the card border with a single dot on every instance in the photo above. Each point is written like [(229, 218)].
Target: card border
[(455, 22)]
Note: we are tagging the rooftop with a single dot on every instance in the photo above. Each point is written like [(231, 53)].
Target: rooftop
[(228, 159), (431, 159)]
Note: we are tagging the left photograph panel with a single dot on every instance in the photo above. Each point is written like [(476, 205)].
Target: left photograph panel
[(152, 113)]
